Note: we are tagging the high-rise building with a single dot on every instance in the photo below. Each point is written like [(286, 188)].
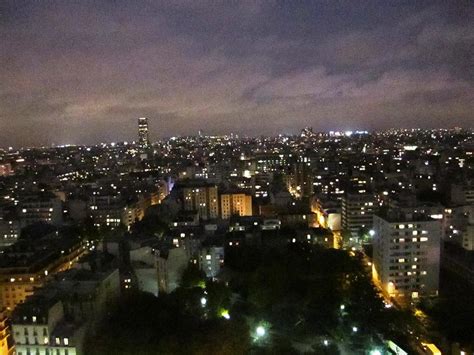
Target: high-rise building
[(201, 197), (357, 211), (236, 204), (143, 139), (406, 254)]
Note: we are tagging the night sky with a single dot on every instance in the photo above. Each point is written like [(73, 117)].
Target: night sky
[(82, 72)]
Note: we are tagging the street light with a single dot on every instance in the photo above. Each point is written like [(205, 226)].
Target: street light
[(260, 331), (376, 352), (326, 342), (225, 314), (355, 329), (371, 232), (203, 301), (343, 307)]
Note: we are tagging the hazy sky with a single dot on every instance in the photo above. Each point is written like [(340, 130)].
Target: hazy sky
[(77, 71)]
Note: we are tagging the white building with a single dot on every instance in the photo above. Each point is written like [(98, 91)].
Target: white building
[(171, 265), (145, 268), (406, 254), (211, 260)]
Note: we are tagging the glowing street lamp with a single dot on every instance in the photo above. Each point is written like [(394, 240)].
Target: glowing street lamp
[(260, 331), (225, 314), (203, 301), (355, 329)]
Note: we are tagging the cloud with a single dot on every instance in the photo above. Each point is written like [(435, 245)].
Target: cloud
[(83, 71)]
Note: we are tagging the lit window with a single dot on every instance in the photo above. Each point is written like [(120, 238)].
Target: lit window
[(66, 341)]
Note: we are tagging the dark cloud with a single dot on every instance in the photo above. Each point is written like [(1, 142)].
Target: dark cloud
[(83, 71)]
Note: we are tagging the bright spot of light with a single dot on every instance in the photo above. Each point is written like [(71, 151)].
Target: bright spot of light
[(260, 331)]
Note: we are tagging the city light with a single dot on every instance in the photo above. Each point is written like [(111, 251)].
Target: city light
[(225, 314), (203, 301), (260, 331)]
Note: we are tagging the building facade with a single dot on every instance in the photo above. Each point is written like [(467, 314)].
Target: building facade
[(406, 258), (143, 138), (239, 204), (203, 199), (357, 211)]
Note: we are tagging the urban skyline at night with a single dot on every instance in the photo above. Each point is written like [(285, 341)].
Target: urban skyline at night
[(236, 177)]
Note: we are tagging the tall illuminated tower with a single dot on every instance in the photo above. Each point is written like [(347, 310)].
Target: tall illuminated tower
[(143, 140)]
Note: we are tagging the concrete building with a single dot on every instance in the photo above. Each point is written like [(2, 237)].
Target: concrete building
[(9, 232), (107, 210), (357, 211), (468, 238), (145, 269), (211, 260), (25, 267), (171, 264), (56, 319), (33, 323), (6, 340), (239, 204), (406, 257), (41, 209), (203, 198)]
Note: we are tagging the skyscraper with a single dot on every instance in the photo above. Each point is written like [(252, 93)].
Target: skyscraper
[(143, 140)]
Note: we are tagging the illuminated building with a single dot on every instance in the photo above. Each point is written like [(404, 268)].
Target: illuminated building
[(201, 197), (55, 319), (6, 341), (25, 267), (9, 232), (33, 323), (143, 139), (6, 169), (108, 210), (357, 211), (406, 257), (41, 209), (301, 181), (211, 260), (236, 204)]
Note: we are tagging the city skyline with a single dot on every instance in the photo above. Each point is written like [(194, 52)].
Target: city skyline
[(81, 73)]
